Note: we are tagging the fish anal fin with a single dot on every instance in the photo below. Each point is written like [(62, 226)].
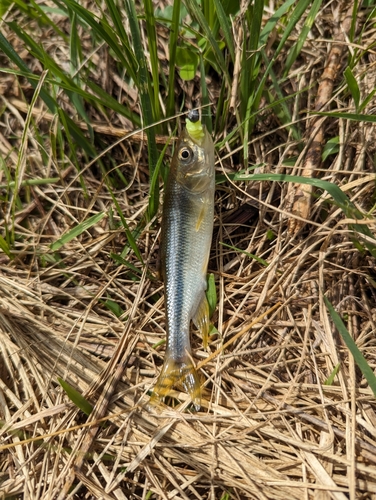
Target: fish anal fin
[(201, 320), (177, 372)]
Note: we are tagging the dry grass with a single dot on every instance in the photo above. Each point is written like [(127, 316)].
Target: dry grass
[(269, 427)]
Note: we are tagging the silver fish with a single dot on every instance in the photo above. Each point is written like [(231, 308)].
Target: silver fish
[(187, 227)]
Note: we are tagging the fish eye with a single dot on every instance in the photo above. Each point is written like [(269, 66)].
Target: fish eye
[(185, 154)]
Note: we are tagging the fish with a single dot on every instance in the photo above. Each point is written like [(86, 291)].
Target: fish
[(187, 227)]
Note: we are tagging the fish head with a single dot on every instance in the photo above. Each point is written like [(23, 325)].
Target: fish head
[(193, 162)]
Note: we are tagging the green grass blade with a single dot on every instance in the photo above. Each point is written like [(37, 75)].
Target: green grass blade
[(119, 29), (153, 51), (366, 101), (76, 231), (4, 6), (222, 109), (354, 19), (272, 22), (104, 31), (71, 128), (297, 47), (34, 11), (250, 255), (223, 20), (294, 18), (353, 348), (330, 148), (154, 184), (76, 397), (37, 51), (356, 117), (21, 157), (31, 182), (211, 294), (5, 247), (109, 101), (251, 90), (136, 273), (62, 80), (75, 133), (283, 112), (335, 192), (128, 233), (353, 87), (75, 51), (102, 98), (135, 235), (6, 47), (332, 376), (196, 12), (208, 11), (143, 84), (74, 44), (132, 67), (119, 260), (251, 94), (113, 307), (250, 55), (205, 101), (173, 42), (227, 495), (75, 138)]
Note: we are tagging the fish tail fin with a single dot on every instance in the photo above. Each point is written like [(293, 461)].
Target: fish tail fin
[(175, 372)]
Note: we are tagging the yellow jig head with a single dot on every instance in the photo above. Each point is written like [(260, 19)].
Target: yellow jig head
[(194, 126)]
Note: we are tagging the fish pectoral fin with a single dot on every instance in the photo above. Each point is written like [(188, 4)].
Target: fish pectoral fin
[(178, 372), (201, 320), (201, 217)]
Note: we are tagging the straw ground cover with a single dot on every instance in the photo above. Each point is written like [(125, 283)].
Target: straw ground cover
[(91, 96)]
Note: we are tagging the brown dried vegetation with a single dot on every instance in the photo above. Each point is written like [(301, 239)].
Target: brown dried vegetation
[(269, 427)]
